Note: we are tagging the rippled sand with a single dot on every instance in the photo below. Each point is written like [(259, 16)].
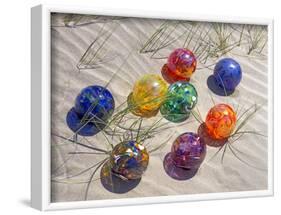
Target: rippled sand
[(68, 46)]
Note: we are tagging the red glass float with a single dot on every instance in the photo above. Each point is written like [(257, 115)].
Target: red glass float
[(180, 66)]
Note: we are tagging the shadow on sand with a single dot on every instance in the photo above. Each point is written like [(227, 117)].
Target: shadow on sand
[(213, 86), (175, 172), (115, 184), (202, 132)]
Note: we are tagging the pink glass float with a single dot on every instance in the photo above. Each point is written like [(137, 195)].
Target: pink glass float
[(180, 66)]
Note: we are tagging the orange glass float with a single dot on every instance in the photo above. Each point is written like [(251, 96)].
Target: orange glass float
[(220, 121)]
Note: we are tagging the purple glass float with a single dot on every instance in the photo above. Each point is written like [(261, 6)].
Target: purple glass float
[(187, 153)]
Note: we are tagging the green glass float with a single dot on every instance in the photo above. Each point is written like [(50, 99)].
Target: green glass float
[(181, 99)]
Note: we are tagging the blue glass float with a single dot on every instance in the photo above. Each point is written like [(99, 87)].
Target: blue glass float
[(95, 102), (81, 126), (181, 99), (227, 74)]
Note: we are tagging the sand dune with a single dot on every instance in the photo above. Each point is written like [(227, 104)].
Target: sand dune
[(69, 44)]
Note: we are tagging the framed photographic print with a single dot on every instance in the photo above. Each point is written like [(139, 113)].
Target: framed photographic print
[(141, 107)]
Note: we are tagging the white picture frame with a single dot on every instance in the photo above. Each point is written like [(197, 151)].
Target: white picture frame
[(41, 92)]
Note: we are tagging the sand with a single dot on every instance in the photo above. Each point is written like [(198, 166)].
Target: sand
[(68, 46)]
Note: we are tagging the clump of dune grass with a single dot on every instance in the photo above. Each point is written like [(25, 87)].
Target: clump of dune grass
[(222, 40), (122, 126), (164, 36), (115, 128), (208, 41), (70, 20), (243, 117), (97, 52), (256, 37)]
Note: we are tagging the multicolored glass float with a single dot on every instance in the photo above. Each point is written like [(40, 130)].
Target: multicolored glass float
[(220, 121), (228, 74), (188, 151), (81, 126), (147, 96), (180, 100), (129, 159), (180, 66)]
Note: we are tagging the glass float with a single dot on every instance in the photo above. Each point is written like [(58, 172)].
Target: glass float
[(181, 99), (228, 74), (188, 151), (147, 96), (220, 121), (95, 102), (180, 66), (129, 160)]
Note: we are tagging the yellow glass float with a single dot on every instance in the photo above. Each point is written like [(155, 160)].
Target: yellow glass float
[(148, 94)]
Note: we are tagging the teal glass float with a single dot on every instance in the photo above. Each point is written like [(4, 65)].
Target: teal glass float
[(181, 99)]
